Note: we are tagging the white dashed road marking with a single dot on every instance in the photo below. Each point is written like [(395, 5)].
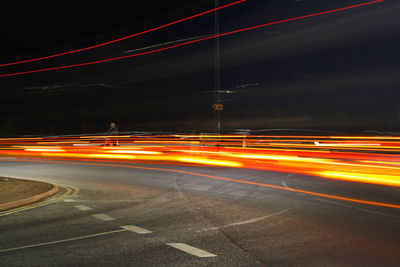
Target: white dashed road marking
[(136, 229), (103, 217), (61, 241), (192, 250), (82, 207)]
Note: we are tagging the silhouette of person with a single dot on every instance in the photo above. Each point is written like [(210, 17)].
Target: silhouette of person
[(112, 132)]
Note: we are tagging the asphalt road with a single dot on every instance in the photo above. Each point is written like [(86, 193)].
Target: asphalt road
[(233, 224)]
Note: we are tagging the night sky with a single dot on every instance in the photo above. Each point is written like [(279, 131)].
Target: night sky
[(33, 26), (331, 73)]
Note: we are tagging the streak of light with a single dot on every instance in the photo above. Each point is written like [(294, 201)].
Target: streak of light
[(362, 177), (38, 147), (211, 162), (211, 136), (108, 156), (286, 158), (61, 142), (45, 149), (66, 155), (310, 161), (21, 138), (381, 162), (135, 152), (347, 144), (190, 42), (367, 137), (169, 142), (202, 152), (125, 37)]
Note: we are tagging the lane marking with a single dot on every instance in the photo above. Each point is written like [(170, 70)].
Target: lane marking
[(334, 202), (82, 207), (62, 241), (377, 212), (69, 200), (136, 229), (357, 208), (70, 192), (244, 222), (191, 250), (103, 217)]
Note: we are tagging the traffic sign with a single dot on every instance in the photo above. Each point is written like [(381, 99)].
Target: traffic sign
[(218, 107)]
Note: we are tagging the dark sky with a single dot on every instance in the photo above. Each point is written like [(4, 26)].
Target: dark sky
[(37, 25), (336, 72)]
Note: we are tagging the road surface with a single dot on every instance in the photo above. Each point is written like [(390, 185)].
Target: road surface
[(176, 219)]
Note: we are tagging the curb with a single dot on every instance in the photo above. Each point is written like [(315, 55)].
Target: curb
[(29, 200)]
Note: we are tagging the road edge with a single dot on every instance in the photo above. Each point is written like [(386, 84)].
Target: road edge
[(29, 200)]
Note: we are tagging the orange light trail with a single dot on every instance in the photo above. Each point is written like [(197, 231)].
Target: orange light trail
[(303, 156)]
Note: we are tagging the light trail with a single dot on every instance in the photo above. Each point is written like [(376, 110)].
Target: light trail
[(45, 149), (390, 180), (211, 162), (360, 167), (189, 42), (125, 37)]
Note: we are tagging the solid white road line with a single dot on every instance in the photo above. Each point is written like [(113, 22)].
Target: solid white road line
[(357, 208), (82, 207), (103, 217), (61, 241), (136, 229), (244, 222), (377, 212), (192, 250), (333, 202)]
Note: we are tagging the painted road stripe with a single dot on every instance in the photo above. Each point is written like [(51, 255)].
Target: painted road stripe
[(62, 241), (136, 229), (69, 200), (82, 207), (103, 217), (376, 212), (192, 250), (333, 202)]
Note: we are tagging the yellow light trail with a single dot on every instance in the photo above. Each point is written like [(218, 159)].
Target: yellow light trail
[(362, 177), (211, 162)]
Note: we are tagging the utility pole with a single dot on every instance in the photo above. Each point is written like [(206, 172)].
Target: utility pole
[(217, 84)]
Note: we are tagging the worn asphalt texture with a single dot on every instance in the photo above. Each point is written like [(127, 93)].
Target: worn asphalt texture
[(242, 224)]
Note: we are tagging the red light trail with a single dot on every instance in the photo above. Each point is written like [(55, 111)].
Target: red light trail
[(191, 42), (125, 37)]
